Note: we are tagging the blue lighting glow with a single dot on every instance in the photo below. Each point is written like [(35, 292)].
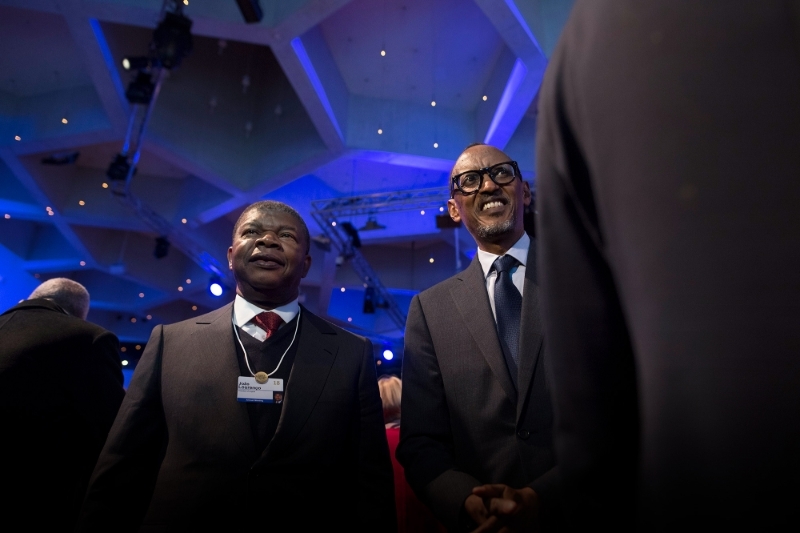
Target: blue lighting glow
[(215, 288), (388, 355)]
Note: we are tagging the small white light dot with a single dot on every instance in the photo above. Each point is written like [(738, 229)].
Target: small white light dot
[(380, 131), (422, 212), (180, 289), (81, 202), (183, 221), (441, 209), (123, 349), (64, 121), (188, 281), (349, 319), (485, 97), (124, 361), (430, 260), (383, 52), (342, 289), (433, 103), (17, 138), (333, 224), (436, 145), (133, 320), (186, 2), (149, 317), (141, 295), (7, 215), (194, 308), (378, 362), (105, 185), (83, 263), (138, 346), (50, 213)]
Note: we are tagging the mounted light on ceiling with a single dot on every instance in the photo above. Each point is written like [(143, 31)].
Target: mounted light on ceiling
[(135, 63), (172, 40), (119, 168), (141, 89), (371, 224)]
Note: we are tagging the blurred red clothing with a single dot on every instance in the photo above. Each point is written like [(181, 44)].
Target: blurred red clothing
[(412, 515)]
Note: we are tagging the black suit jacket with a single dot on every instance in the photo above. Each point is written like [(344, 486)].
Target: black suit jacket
[(60, 388), (669, 233), (463, 422), (181, 454)]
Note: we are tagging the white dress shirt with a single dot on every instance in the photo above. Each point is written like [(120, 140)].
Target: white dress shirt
[(244, 311), (520, 252)]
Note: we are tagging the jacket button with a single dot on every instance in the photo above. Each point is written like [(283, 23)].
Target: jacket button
[(523, 434)]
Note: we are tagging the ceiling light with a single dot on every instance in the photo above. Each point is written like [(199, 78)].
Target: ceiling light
[(64, 121), (123, 349), (441, 209), (83, 263), (105, 185), (172, 40), (371, 224), (485, 97), (149, 317), (194, 308), (138, 346), (436, 145), (7, 216), (433, 103), (135, 63), (342, 289), (388, 355), (349, 319), (383, 52), (17, 138), (380, 131), (133, 320), (183, 221), (119, 168), (81, 202), (430, 260), (180, 288), (422, 212), (188, 281), (141, 295), (124, 361)]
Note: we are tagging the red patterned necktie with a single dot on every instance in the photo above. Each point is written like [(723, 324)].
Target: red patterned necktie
[(269, 322)]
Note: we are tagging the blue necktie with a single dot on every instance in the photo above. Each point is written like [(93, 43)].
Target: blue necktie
[(507, 308)]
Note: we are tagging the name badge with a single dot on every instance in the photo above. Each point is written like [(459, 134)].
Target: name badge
[(249, 390)]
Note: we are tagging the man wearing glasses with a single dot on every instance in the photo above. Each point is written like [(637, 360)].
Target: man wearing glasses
[(476, 438)]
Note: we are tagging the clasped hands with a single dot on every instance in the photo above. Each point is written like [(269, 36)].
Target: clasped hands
[(502, 509)]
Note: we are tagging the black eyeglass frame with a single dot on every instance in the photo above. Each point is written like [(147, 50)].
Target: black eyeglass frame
[(485, 171)]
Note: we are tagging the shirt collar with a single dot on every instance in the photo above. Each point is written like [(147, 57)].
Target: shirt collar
[(519, 252), (244, 311)]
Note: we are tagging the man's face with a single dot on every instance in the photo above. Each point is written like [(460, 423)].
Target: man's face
[(493, 215), (268, 257)]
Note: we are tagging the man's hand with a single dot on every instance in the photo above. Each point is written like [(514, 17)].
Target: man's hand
[(476, 509), (506, 509)]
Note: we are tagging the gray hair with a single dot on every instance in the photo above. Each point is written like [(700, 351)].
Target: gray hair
[(70, 295)]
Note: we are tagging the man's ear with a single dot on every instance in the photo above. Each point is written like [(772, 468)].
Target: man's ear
[(452, 208), (526, 193), (230, 260)]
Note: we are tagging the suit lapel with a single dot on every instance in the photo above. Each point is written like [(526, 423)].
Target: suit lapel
[(317, 347), (530, 344), (476, 313), (216, 356)]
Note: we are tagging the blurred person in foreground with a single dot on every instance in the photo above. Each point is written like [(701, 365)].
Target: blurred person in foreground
[(60, 388), (412, 515), (256, 416), (476, 439), (669, 234)]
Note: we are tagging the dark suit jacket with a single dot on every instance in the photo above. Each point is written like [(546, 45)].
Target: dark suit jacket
[(181, 455), (60, 388), (463, 422), (669, 233)]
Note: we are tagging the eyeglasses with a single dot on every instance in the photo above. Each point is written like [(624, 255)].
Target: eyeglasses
[(471, 181)]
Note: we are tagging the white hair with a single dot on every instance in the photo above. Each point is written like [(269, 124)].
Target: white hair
[(70, 295)]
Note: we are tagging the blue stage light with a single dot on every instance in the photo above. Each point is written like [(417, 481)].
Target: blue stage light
[(388, 355), (215, 288)]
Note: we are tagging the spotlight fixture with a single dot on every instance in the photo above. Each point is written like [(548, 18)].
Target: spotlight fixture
[(172, 40), (352, 234), (135, 63), (388, 354), (141, 89), (371, 224), (119, 168), (251, 10), (61, 159), (215, 287), (369, 301), (162, 248)]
